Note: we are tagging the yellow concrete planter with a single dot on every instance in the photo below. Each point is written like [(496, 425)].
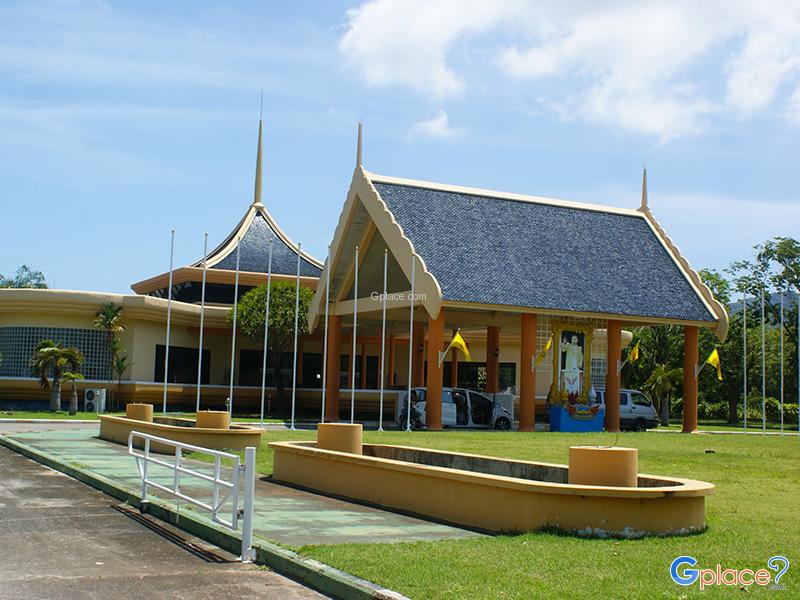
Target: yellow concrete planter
[(213, 419), (493, 494), (595, 465), (237, 437), (139, 412), (340, 437)]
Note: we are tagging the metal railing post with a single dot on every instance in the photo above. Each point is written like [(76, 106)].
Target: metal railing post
[(144, 469), (248, 553)]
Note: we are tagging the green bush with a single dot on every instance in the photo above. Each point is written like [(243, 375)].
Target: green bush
[(772, 407)]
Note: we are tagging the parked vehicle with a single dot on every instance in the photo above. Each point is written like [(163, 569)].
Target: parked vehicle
[(461, 408), (636, 411)]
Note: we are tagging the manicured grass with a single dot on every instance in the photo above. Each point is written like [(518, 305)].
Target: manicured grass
[(754, 514), (46, 414)]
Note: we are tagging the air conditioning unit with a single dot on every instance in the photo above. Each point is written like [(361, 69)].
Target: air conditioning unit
[(94, 400)]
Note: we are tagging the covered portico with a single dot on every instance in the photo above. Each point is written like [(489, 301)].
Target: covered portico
[(508, 270)]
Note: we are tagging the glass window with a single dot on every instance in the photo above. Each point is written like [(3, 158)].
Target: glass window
[(182, 364), (623, 398), (640, 399), (447, 397)]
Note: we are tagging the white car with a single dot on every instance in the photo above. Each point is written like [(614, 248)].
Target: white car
[(636, 411), (461, 408)]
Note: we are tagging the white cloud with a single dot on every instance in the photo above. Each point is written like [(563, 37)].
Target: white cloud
[(650, 67), (437, 127)]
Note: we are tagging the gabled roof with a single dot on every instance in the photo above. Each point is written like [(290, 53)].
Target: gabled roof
[(494, 250)]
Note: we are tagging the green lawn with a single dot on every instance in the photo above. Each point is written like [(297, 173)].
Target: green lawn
[(46, 414), (754, 514)]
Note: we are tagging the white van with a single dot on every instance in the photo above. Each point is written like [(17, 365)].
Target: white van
[(636, 411), (461, 408)]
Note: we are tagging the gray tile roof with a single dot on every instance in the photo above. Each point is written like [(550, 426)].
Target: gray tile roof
[(254, 253), (498, 251)]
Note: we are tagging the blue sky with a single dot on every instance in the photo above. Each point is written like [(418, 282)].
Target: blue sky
[(121, 120)]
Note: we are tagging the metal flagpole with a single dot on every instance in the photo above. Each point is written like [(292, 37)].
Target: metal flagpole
[(383, 338), (355, 325), (233, 337), (325, 338), (744, 354), (296, 315), (202, 321), (781, 362), (763, 369), (169, 316), (410, 346), (266, 334)]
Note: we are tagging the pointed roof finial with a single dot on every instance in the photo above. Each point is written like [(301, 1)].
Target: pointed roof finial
[(644, 206), (358, 148), (257, 193)]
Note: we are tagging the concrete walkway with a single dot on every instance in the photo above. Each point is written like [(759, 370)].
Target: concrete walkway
[(292, 517), (62, 539)]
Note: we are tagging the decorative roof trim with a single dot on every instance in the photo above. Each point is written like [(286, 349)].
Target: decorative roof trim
[(224, 276), (361, 189), (712, 304), (430, 185)]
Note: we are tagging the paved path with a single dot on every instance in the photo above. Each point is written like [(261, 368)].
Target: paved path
[(292, 517), (62, 539)]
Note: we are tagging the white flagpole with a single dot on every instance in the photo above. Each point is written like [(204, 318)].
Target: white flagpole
[(383, 338), (744, 354), (296, 315), (202, 321), (410, 346), (233, 337), (169, 316), (781, 362), (325, 340), (355, 325), (266, 334), (763, 369)]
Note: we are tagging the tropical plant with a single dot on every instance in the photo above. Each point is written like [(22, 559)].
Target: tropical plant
[(250, 321), (25, 277), (121, 365), (660, 385), (51, 357), (72, 377), (109, 319)]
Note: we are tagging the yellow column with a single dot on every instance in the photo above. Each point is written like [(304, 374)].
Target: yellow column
[(492, 358), (433, 406), (614, 332), (417, 375), (527, 374), (689, 379)]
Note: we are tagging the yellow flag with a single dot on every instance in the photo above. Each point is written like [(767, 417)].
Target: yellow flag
[(543, 353), (713, 360), (458, 342), (634, 355)]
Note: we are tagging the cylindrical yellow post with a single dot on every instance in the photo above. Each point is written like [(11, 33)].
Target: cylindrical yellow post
[(614, 338), (139, 412), (595, 465), (213, 419), (433, 406), (527, 374), (340, 437)]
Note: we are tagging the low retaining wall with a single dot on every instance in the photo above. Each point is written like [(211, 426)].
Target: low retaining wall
[(238, 437), (492, 494)]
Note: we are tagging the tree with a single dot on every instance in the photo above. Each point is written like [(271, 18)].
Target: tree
[(49, 357), (72, 377), (660, 385), (25, 277), (250, 321), (109, 319), (121, 365)]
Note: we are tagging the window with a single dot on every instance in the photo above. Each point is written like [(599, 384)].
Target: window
[(640, 399), (182, 365), (17, 345), (623, 398)]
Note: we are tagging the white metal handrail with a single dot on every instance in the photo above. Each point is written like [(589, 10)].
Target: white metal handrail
[(229, 489)]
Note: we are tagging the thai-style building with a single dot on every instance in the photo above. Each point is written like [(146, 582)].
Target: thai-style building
[(520, 276)]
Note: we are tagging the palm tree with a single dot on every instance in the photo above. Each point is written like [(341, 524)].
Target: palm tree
[(50, 356), (72, 377), (24, 278), (660, 385), (121, 365), (109, 319)]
